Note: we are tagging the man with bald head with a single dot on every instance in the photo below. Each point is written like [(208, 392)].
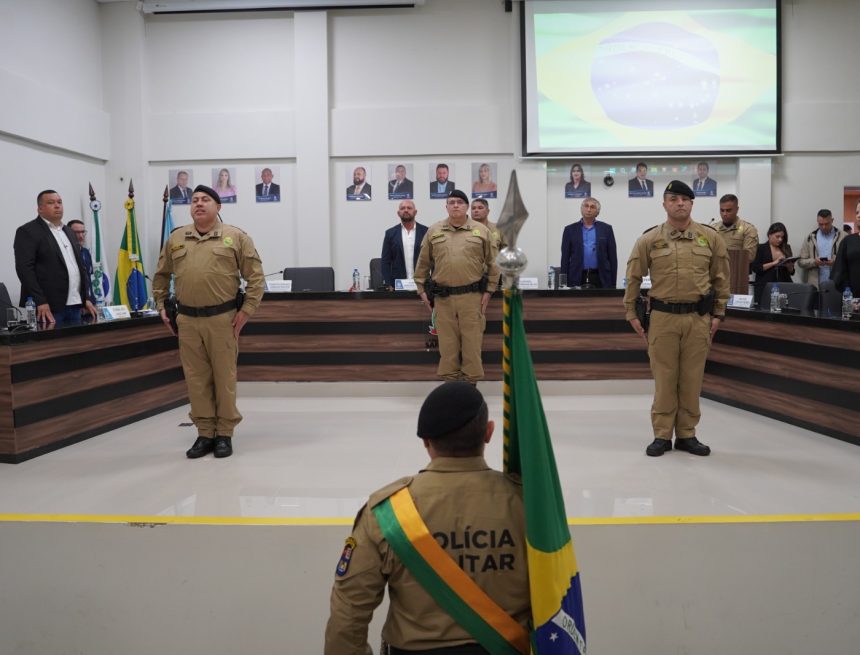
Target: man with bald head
[(401, 245)]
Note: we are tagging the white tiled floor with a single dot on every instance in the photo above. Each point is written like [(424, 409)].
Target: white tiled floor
[(318, 450)]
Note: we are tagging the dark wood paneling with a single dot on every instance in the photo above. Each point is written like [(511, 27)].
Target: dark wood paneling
[(801, 371), (784, 406), (34, 391), (822, 334), (7, 432), (55, 429), (87, 342)]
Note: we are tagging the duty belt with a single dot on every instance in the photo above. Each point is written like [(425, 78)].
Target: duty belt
[(465, 649), (212, 310), (441, 291), (674, 307)]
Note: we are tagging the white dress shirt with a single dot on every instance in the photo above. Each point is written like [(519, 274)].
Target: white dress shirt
[(74, 296), (408, 237)]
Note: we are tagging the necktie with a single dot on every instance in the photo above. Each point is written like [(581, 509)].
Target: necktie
[(265, 189), (701, 184), (642, 182), (184, 197)]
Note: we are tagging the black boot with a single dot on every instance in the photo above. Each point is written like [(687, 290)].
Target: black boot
[(203, 446), (692, 446), (223, 446), (658, 447)]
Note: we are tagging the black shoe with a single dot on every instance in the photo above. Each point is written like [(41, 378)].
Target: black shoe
[(692, 446), (658, 447), (223, 447), (203, 446)]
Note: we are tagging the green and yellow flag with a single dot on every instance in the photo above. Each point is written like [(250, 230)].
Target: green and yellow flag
[(129, 287), (556, 593)]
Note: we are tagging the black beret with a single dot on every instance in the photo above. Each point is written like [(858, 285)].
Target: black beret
[(678, 188), (456, 193), (447, 408), (209, 191)]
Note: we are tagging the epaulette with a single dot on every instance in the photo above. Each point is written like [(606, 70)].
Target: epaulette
[(650, 228), (710, 227), (178, 228), (515, 478), (378, 496)]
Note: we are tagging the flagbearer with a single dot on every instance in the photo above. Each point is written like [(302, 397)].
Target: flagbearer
[(207, 261), (477, 551)]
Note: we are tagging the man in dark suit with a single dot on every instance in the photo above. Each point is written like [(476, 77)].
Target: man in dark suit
[(181, 194), (80, 231), (268, 189), (441, 186), (400, 186), (400, 240), (640, 186), (588, 253), (702, 184), (359, 189), (49, 265)]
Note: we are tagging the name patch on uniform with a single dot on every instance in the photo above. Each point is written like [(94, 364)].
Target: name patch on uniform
[(228, 241), (438, 235), (176, 246), (346, 556), (702, 241), (660, 244)]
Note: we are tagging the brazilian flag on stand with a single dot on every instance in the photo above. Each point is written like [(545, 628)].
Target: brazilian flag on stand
[(129, 286), (556, 593)]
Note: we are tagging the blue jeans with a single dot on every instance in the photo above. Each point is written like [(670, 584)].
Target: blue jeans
[(68, 315)]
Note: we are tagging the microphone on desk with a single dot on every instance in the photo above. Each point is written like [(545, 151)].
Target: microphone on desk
[(281, 272)]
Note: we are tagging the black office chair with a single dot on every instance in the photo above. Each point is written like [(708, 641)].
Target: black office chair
[(829, 300), (376, 281), (5, 302), (311, 278), (801, 297)]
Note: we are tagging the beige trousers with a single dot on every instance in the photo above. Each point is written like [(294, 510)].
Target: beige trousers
[(460, 325)]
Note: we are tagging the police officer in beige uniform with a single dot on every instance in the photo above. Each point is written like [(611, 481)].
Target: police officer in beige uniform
[(481, 213), (207, 260), (474, 513), (461, 254), (687, 262), (736, 232)]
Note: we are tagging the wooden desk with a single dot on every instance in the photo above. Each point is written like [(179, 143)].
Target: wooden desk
[(62, 386)]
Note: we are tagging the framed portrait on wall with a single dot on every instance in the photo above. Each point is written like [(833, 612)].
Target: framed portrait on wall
[(484, 179), (181, 183), (703, 185), (441, 183), (400, 182), (640, 186), (224, 183), (358, 188), (578, 186), (267, 189)]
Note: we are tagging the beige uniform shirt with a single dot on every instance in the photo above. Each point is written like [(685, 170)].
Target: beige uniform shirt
[(207, 268), (740, 236), (497, 237), (457, 255), (476, 515), (683, 265)]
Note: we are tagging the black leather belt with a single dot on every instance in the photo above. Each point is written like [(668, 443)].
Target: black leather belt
[(465, 649), (674, 307), (212, 310), (475, 287)]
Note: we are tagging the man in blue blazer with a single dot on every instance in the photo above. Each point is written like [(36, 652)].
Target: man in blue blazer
[(703, 184), (588, 253), (396, 264)]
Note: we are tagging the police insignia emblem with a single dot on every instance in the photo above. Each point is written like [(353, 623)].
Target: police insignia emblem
[(476, 232), (228, 241), (702, 241), (346, 556)]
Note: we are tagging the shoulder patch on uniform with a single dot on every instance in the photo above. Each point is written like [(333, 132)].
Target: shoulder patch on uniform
[(650, 228), (345, 557), (388, 490), (437, 235)]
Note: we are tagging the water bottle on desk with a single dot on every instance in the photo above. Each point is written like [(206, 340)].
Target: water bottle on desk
[(847, 304), (30, 312), (550, 277), (356, 280), (774, 299)]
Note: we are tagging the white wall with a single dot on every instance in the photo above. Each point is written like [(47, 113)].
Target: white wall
[(54, 132), (317, 93)]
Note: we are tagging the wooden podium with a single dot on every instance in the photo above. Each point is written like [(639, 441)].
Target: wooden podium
[(739, 278)]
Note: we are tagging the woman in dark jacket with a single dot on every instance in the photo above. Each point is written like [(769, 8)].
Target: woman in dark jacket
[(768, 264)]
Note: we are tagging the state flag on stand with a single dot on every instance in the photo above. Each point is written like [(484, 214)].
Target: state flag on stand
[(556, 593)]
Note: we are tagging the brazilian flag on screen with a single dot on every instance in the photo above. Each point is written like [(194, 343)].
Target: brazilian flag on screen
[(556, 594), (129, 287)]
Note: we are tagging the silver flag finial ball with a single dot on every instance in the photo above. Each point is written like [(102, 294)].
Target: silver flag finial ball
[(512, 262)]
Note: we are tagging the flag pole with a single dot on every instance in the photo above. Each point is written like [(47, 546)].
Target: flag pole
[(163, 218)]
